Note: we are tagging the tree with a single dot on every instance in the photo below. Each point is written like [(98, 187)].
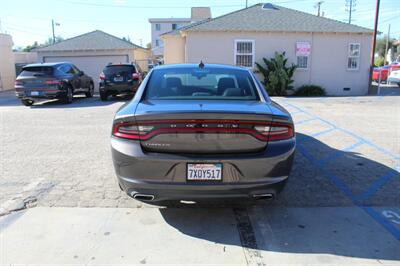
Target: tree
[(49, 41), (30, 47), (127, 39), (277, 75), (381, 45), (148, 46)]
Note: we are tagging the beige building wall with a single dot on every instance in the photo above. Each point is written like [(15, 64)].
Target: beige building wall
[(174, 52), (25, 57), (328, 59), (7, 63), (141, 57)]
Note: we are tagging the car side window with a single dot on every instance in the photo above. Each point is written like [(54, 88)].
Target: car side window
[(75, 69), (62, 69), (67, 69)]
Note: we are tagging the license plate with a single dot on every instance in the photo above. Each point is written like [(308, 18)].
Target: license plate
[(34, 93), (203, 171), (118, 79)]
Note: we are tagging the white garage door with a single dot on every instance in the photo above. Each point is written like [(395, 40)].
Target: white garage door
[(91, 65)]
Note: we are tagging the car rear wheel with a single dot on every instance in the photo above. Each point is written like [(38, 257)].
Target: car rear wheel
[(103, 96), (90, 92), (27, 102), (69, 96)]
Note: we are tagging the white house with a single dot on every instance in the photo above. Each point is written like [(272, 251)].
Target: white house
[(329, 53)]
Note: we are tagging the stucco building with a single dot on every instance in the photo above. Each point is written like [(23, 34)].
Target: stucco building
[(7, 63), (328, 53), (160, 26)]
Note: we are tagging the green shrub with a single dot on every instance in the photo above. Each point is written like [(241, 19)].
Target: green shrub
[(310, 90), (277, 76), (380, 61)]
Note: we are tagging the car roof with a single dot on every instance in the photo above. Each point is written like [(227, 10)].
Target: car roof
[(46, 64), (214, 66)]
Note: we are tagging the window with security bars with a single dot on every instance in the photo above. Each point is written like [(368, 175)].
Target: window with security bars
[(302, 62), (353, 60), (244, 53)]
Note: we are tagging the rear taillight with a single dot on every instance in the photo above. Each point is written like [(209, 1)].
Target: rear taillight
[(276, 131), (135, 76), (102, 76), (130, 130), (52, 82), (145, 130), (18, 83)]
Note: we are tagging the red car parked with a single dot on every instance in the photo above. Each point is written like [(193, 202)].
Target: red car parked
[(384, 72)]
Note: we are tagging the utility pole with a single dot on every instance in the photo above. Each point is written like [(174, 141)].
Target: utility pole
[(378, 2), (52, 27), (318, 5), (246, 3), (387, 45), (350, 7)]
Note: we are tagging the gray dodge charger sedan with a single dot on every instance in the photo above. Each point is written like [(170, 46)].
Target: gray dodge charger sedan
[(197, 132)]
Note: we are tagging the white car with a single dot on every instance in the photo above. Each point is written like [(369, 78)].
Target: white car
[(394, 77)]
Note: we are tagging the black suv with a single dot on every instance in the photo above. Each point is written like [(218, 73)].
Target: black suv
[(119, 78), (52, 81)]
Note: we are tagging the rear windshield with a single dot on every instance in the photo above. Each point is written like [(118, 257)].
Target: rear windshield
[(119, 70), (196, 83), (37, 71)]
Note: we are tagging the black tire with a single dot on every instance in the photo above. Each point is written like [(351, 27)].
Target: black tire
[(90, 92), (103, 96), (69, 96), (27, 102)]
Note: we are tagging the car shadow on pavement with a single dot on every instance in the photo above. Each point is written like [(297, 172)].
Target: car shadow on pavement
[(296, 223), (82, 102), (8, 99)]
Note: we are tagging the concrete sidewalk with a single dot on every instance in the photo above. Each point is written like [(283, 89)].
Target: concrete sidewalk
[(257, 235)]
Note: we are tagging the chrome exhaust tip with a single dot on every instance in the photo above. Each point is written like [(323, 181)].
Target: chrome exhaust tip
[(266, 196), (143, 197)]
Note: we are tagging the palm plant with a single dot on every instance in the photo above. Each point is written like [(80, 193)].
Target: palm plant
[(277, 75)]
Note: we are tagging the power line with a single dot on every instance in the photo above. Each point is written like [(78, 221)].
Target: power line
[(138, 7), (172, 7), (390, 18)]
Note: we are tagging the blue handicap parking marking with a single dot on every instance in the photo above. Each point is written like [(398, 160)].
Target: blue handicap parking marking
[(387, 219), (375, 186)]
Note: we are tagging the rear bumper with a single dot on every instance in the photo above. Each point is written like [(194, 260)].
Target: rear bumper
[(164, 175), (51, 94), (118, 88), (172, 191)]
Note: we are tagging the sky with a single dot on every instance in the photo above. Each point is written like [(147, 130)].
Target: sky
[(29, 21)]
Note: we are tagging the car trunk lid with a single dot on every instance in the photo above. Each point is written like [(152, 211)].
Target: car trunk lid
[(202, 127)]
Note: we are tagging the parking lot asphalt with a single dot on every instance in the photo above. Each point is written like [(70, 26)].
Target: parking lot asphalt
[(347, 161)]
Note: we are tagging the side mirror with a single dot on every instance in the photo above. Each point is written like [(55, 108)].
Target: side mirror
[(82, 73)]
